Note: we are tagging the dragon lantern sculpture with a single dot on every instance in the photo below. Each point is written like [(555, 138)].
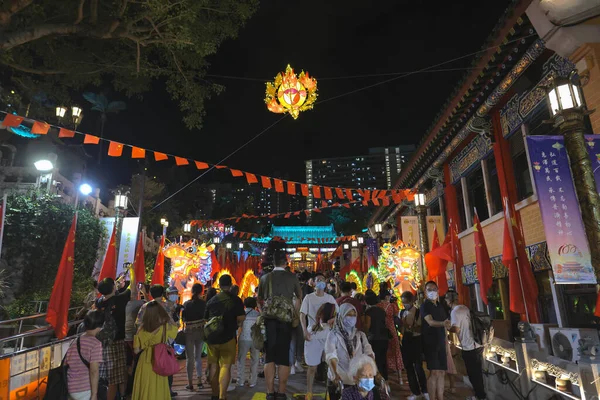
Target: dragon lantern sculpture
[(190, 263), (398, 264)]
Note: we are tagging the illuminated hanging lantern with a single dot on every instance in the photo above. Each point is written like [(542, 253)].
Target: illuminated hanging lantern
[(290, 93), (398, 263)]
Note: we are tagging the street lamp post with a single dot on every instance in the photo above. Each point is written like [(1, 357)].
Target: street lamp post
[(46, 167), (165, 225), (85, 189), (421, 209), (568, 111), (228, 248), (379, 232), (361, 247), (121, 202)]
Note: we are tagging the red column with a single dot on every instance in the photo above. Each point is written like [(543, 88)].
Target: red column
[(508, 189), (453, 215)]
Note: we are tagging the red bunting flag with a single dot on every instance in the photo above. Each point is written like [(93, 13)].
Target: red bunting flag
[(324, 203), (221, 166), (60, 299), (278, 185), (386, 201), (328, 193), (138, 152), (109, 266), (251, 178), (180, 161), (316, 189), (91, 139), (66, 133), (40, 128), (349, 194), (115, 149), (158, 277), (201, 165), (139, 264), (340, 193), (483, 262), (287, 215), (160, 156), (375, 201), (346, 205), (291, 188), (12, 120), (304, 189), (266, 182), (236, 173)]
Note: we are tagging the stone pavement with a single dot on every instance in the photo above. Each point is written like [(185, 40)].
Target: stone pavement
[(296, 387)]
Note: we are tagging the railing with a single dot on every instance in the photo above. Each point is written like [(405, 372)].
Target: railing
[(19, 336)]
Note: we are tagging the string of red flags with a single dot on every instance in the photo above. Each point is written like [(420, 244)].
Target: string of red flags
[(385, 201), (118, 149)]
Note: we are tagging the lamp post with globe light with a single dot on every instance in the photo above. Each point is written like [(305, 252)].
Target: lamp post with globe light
[(568, 111), (421, 208), (46, 167), (121, 201)]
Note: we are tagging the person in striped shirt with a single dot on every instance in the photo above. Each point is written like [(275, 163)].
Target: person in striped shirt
[(83, 379)]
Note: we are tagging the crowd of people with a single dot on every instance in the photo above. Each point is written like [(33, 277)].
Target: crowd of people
[(353, 342)]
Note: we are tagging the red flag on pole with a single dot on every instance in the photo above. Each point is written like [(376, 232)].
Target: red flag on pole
[(158, 277), (483, 262), (58, 306), (139, 264), (109, 266), (436, 265)]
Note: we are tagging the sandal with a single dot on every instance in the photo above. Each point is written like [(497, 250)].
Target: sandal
[(190, 387)]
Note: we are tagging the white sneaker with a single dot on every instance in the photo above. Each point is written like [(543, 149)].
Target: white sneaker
[(230, 388), (426, 396), (292, 370), (252, 385), (411, 397), (299, 367)]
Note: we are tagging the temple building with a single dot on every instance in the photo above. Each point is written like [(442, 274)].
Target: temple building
[(304, 244)]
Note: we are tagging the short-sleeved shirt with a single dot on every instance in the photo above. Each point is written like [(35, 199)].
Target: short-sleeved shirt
[(460, 316), (131, 311), (168, 305), (433, 338), (312, 303), (251, 317), (117, 304), (377, 330), (193, 310), (229, 307), (283, 283), (78, 374)]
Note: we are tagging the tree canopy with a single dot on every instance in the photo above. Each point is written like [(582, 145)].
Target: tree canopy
[(48, 48)]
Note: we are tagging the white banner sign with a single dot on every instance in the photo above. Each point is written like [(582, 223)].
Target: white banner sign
[(410, 231), (435, 221), (108, 225), (127, 246)]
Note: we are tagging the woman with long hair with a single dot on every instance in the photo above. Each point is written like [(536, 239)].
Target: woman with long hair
[(394, 356), (157, 327), (193, 317)]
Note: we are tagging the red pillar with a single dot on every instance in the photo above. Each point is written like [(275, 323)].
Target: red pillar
[(453, 215)]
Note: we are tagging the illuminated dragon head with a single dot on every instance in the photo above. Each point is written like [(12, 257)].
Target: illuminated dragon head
[(189, 261)]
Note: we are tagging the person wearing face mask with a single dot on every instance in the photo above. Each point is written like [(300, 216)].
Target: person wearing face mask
[(343, 344), (394, 356), (363, 369), (313, 346), (412, 347), (433, 322)]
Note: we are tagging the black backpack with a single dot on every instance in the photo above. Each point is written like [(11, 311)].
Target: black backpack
[(57, 387), (481, 327)]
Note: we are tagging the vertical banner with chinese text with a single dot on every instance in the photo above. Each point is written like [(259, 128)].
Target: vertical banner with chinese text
[(410, 231), (128, 241), (563, 226)]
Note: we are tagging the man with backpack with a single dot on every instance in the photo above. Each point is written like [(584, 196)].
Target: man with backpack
[(224, 314), (461, 324)]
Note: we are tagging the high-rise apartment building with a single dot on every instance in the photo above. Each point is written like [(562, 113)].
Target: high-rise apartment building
[(376, 170)]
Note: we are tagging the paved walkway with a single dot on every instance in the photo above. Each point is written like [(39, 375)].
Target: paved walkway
[(296, 387)]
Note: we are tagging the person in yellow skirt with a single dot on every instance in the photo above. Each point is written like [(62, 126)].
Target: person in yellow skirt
[(156, 327)]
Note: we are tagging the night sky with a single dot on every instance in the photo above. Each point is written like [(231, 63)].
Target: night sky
[(331, 40)]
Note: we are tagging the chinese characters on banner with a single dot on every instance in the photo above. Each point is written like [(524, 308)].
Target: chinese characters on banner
[(410, 231), (127, 244), (563, 226), (434, 221)]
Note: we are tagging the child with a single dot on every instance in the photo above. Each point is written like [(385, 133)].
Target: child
[(245, 344)]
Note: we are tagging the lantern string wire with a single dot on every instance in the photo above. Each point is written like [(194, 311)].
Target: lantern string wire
[(221, 161), (337, 97)]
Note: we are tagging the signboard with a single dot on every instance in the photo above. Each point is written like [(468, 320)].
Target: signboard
[(129, 232), (561, 217), (410, 230), (435, 221)]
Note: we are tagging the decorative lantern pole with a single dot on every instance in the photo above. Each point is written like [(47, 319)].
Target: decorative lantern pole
[(421, 209), (568, 111)]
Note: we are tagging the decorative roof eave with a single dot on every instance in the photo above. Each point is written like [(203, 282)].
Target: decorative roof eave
[(511, 20)]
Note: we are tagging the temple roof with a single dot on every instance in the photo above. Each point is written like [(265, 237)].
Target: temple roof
[(301, 234)]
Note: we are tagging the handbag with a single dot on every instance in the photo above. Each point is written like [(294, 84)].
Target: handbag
[(164, 362), (102, 382), (279, 307), (57, 386)]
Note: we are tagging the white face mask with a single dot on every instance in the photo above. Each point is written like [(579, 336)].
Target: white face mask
[(432, 296), (173, 297)]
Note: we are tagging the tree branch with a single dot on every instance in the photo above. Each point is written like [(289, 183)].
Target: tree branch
[(10, 9), (94, 11), (79, 12), (123, 8), (19, 38), (215, 10), (22, 68)]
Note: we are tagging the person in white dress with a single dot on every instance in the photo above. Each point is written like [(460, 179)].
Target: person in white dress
[(314, 335)]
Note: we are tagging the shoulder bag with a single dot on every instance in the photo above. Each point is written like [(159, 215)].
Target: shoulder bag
[(279, 307), (164, 362)]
